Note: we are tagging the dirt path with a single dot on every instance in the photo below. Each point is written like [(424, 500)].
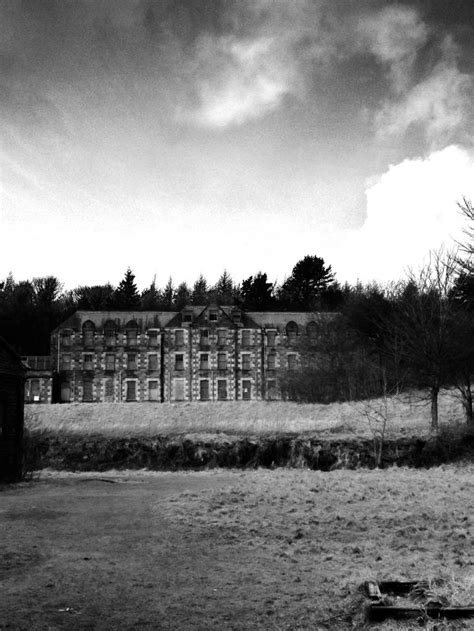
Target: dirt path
[(224, 550)]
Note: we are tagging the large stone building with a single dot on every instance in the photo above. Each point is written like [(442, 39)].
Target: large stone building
[(211, 353)]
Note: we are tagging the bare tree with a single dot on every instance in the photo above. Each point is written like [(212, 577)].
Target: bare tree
[(426, 319)]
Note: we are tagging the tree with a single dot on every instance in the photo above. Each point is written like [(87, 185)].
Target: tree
[(200, 293), (257, 293), (309, 280), (223, 291), (182, 296), (126, 295), (95, 297), (151, 297), (426, 319), (168, 296)]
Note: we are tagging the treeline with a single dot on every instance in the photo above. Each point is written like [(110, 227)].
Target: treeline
[(416, 333), (29, 310)]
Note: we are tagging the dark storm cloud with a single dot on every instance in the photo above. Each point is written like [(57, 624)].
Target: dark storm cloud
[(221, 62)]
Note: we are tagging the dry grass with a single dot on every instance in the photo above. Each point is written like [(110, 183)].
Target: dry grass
[(408, 414), (264, 550)]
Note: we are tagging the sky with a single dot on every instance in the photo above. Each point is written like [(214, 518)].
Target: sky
[(181, 138)]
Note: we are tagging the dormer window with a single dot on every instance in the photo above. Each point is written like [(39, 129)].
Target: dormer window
[(213, 316), (187, 317)]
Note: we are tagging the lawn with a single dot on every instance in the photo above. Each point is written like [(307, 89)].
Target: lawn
[(282, 549), (406, 414)]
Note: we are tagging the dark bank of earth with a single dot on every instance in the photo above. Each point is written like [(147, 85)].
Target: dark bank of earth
[(72, 452)]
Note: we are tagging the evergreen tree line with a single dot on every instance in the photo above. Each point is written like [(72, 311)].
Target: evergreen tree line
[(29, 310)]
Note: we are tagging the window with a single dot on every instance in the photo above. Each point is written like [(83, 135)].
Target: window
[(204, 336), (66, 337), (152, 338), (131, 394), (109, 390), (213, 316), (245, 361), (65, 392), (178, 389), (87, 391), (291, 361), (109, 333), (271, 389), (179, 337), (271, 338), (153, 361), (246, 337), (131, 332), (221, 361), (88, 331), (312, 330), (153, 391), (109, 361), (66, 362), (204, 389), (204, 361), (187, 317), (34, 390), (246, 389), (221, 337), (131, 361), (292, 331), (179, 361), (221, 389), (88, 361), (271, 361)]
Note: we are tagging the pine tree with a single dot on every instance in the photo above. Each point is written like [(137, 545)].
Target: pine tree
[(126, 295), (200, 295), (182, 296), (151, 297)]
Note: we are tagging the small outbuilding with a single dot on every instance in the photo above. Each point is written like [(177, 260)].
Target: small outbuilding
[(12, 390)]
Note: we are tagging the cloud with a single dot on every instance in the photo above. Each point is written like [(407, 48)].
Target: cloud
[(266, 57), (440, 104), (240, 80), (411, 209), (393, 35)]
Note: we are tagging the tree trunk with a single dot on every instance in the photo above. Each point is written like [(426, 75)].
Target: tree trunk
[(467, 402), (434, 408)]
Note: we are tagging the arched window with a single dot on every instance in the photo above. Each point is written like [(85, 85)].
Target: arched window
[(131, 331), (291, 331), (88, 330), (109, 333), (312, 330)]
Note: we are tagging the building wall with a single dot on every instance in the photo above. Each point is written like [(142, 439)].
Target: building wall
[(202, 353), (11, 415)]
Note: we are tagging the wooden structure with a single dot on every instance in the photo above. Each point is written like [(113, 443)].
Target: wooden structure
[(12, 385)]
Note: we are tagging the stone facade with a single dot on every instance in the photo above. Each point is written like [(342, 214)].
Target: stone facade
[(12, 379), (39, 382), (201, 353)]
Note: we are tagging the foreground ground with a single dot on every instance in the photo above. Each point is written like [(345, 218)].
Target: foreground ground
[(279, 549)]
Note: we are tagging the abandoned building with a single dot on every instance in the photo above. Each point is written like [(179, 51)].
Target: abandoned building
[(12, 381), (207, 353)]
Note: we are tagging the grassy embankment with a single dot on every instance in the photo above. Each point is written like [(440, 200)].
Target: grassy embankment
[(240, 434)]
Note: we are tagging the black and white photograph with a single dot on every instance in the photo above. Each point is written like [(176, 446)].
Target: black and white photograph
[(236, 315)]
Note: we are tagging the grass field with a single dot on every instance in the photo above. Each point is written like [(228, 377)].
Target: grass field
[(257, 550), (407, 414)]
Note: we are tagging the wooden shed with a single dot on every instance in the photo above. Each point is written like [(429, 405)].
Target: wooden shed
[(12, 389)]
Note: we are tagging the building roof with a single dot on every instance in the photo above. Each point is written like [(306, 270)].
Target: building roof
[(14, 362), (161, 319), (279, 319)]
